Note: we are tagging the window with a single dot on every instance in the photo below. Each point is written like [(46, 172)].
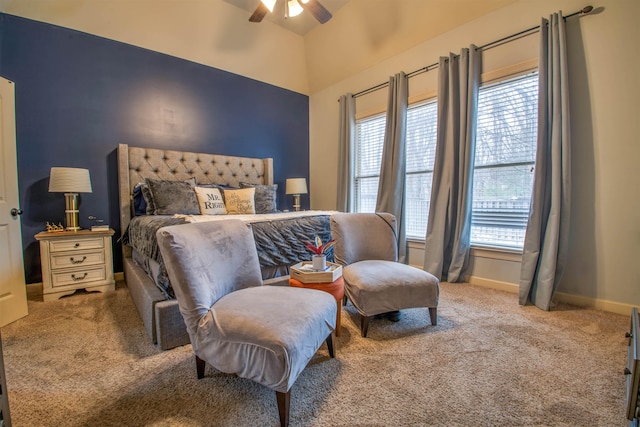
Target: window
[(368, 157), (421, 147), (422, 123), (505, 157), (504, 161)]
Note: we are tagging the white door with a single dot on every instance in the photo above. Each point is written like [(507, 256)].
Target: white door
[(13, 293)]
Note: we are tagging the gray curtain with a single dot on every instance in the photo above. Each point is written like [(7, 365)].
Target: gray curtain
[(391, 188), (546, 240), (449, 226), (344, 202)]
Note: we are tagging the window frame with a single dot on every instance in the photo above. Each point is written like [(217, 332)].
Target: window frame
[(497, 80)]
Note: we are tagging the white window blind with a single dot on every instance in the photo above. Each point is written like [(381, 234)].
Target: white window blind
[(505, 157), (421, 142), (422, 122), (368, 156)]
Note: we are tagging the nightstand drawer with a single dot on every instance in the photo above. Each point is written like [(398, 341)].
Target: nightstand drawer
[(76, 244), (67, 260), (76, 277)]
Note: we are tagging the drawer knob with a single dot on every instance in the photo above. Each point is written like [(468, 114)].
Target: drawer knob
[(73, 276), (77, 245), (77, 261)]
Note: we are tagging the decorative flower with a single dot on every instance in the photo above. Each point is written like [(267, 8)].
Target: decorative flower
[(319, 248)]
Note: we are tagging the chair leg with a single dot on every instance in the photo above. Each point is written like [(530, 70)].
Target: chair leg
[(283, 407), (433, 314), (364, 325), (344, 300), (329, 341), (199, 368)]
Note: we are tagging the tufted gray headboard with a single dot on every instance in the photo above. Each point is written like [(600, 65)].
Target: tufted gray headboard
[(135, 164)]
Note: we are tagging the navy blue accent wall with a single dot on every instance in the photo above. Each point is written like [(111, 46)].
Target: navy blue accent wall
[(78, 96)]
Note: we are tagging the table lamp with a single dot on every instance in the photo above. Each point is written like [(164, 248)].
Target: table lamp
[(296, 187), (70, 181)]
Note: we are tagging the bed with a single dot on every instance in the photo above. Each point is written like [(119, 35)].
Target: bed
[(279, 236)]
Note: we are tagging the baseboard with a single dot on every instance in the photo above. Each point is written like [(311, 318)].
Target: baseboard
[(596, 304), (34, 291), (118, 277), (492, 284), (577, 300)]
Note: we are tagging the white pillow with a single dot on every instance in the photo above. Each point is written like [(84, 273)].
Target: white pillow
[(210, 201), (240, 201)]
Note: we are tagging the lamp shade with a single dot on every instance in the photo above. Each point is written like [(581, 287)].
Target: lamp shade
[(296, 186), (69, 180)]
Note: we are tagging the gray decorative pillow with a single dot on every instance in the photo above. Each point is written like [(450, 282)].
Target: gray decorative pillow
[(148, 198), (265, 197), (173, 197)]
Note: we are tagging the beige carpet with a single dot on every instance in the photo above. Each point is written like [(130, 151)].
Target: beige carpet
[(85, 360)]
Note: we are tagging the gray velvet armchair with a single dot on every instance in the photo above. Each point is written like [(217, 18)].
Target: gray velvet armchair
[(265, 333), (374, 281)]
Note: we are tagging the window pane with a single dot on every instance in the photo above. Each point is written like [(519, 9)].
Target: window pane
[(366, 194), (418, 189), (369, 141), (507, 122), (421, 137), (505, 155)]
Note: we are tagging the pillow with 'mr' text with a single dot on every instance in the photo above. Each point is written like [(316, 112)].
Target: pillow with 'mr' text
[(210, 201)]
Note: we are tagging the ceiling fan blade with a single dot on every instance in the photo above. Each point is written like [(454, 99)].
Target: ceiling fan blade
[(259, 13), (317, 10)]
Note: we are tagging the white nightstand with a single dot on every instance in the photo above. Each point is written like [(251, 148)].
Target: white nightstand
[(73, 260)]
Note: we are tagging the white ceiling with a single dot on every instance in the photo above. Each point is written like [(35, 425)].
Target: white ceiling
[(300, 24)]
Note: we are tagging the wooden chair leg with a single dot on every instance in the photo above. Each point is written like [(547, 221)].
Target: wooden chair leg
[(199, 368), (339, 318), (433, 314), (283, 407), (364, 325), (329, 342)]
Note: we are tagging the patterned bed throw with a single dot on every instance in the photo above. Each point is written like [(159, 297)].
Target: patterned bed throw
[(279, 238)]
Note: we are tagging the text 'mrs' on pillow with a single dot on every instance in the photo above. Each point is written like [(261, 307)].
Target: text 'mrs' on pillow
[(240, 201), (210, 201), (264, 198), (173, 197)]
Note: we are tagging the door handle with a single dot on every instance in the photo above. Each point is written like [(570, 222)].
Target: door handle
[(16, 212)]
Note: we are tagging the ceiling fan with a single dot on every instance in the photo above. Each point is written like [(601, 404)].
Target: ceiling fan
[(292, 8)]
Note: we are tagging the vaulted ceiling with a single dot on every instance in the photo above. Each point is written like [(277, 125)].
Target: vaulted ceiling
[(295, 53)]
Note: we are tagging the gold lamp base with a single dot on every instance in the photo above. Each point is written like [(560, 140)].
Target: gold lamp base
[(71, 212), (296, 202)]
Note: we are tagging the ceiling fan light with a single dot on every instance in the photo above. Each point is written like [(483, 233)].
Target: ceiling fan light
[(269, 4), (293, 8)]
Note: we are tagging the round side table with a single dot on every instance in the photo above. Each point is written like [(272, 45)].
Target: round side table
[(335, 288)]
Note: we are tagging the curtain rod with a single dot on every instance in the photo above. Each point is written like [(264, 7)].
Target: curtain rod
[(585, 10)]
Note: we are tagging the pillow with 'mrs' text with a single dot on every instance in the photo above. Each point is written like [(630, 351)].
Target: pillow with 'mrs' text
[(240, 201)]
